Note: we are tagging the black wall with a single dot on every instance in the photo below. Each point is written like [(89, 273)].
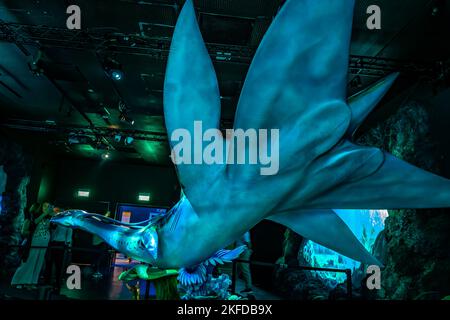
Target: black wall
[(107, 181)]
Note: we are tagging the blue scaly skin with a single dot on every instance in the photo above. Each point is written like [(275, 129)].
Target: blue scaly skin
[(297, 83)]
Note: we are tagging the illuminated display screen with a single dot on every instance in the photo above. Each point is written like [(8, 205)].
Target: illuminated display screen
[(134, 214)]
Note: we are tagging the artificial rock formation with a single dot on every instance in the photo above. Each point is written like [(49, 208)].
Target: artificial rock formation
[(414, 244), (15, 165), (291, 282)]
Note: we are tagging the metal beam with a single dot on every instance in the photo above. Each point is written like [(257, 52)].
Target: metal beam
[(66, 130), (43, 36)]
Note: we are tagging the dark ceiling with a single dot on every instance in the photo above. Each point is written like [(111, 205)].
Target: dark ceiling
[(72, 107)]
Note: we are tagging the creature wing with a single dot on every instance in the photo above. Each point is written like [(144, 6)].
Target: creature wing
[(297, 83), (198, 274)]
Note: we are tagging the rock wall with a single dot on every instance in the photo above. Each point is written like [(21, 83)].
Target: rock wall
[(415, 245), (291, 282), (15, 165)]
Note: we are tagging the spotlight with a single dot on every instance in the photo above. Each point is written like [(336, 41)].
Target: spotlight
[(113, 69), (117, 138), (438, 8), (36, 64), (116, 75), (106, 156), (125, 118), (128, 140), (105, 114)]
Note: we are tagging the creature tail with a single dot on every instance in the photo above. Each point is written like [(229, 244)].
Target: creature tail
[(326, 228)]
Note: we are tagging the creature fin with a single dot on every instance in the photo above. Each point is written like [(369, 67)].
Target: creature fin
[(191, 91), (365, 101), (346, 162), (395, 185), (195, 275), (224, 256), (198, 274), (297, 82), (326, 228), (343, 163)]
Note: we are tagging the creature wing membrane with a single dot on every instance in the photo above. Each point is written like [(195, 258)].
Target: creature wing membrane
[(197, 274), (191, 93), (326, 228), (363, 103), (297, 83)]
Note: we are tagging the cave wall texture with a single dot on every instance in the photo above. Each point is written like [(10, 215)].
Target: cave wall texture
[(414, 244), (16, 166)]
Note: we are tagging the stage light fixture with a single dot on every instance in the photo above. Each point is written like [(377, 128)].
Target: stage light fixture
[(113, 69), (116, 75), (117, 138), (125, 118), (128, 140), (106, 156)]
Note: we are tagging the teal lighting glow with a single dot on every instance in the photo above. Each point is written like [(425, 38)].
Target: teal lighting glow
[(116, 75), (106, 155)]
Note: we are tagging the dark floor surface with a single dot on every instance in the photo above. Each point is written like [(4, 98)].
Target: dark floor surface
[(106, 288)]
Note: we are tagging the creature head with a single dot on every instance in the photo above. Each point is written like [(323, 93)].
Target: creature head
[(67, 218)]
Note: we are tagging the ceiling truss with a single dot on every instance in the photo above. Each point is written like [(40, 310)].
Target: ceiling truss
[(133, 44)]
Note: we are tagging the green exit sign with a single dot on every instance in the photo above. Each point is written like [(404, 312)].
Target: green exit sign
[(83, 193), (144, 197)]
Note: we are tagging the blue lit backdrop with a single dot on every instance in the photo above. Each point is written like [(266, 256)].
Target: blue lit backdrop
[(365, 224)]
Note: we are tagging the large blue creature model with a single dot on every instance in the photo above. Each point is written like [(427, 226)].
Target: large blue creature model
[(297, 83)]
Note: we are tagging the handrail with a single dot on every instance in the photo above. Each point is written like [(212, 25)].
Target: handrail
[(348, 272), (58, 247)]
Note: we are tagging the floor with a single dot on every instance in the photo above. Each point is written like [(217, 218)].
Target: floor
[(258, 293), (106, 289)]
